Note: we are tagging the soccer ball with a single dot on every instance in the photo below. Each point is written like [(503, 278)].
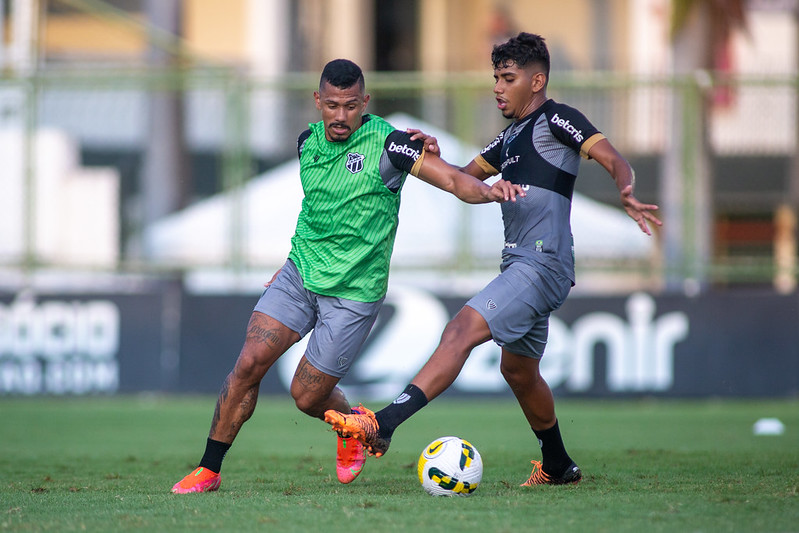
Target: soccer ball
[(450, 466)]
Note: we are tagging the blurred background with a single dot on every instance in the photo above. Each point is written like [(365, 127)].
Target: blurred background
[(149, 186)]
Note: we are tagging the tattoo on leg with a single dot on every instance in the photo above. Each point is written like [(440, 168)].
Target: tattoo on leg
[(309, 377), (241, 412), (263, 335), (244, 412), (223, 394)]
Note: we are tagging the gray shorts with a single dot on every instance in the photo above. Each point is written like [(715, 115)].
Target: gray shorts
[(339, 326), (516, 305)]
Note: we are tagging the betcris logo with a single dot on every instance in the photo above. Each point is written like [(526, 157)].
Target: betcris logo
[(576, 134), (404, 149)]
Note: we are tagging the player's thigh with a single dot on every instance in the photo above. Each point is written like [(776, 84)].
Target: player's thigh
[(533, 342), (288, 301), (267, 339), (516, 306), (341, 328), (467, 329)]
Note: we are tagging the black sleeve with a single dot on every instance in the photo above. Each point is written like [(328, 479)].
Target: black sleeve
[(402, 152), (493, 152), (301, 141), (570, 126)]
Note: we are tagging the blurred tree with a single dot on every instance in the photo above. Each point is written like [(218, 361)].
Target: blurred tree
[(165, 180), (700, 33), (722, 18)]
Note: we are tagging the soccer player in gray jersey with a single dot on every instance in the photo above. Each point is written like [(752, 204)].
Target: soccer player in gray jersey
[(540, 151)]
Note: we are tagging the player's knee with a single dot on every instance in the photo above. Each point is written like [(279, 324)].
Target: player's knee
[(456, 339), (464, 332), (306, 402), (508, 373), (518, 376), (249, 367)]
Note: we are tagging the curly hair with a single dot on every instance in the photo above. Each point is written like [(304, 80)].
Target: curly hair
[(522, 50), (342, 73)]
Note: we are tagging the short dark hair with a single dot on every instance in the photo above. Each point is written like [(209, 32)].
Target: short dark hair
[(342, 73), (524, 49)]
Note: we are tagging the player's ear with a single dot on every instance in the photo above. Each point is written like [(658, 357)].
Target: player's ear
[(539, 81), (366, 98), (317, 100)]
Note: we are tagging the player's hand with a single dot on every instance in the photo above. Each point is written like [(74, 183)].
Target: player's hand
[(639, 212), (504, 191), (430, 142), (268, 283)]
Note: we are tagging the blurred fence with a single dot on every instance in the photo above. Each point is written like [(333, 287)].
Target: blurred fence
[(737, 139)]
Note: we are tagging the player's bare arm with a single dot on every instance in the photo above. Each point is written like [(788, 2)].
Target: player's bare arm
[(441, 174), (473, 169), (431, 146), (621, 171)]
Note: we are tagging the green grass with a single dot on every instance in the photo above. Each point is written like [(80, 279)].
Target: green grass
[(106, 464)]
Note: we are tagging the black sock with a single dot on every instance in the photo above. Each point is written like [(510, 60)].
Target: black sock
[(555, 459), (214, 453), (401, 409)]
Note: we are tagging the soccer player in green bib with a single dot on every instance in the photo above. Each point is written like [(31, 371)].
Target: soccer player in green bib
[(352, 168)]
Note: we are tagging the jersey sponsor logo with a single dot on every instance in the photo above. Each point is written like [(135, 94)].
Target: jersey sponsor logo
[(404, 149), (490, 305), (510, 245), (576, 134), (510, 161), (355, 162), (493, 143)]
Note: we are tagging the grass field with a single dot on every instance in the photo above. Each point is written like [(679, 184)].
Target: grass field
[(106, 464)]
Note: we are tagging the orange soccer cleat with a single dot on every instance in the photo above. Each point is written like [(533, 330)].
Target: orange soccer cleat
[(200, 480), (350, 458), (539, 477), (360, 425)]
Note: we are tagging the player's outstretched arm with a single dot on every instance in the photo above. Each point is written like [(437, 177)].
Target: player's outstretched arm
[(622, 173), (431, 146), (640, 212), (470, 189)]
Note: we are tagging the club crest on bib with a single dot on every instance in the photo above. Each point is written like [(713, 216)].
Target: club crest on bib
[(355, 162)]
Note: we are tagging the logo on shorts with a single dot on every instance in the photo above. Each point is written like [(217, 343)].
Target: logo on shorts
[(490, 305), (355, 162), (342, 361)]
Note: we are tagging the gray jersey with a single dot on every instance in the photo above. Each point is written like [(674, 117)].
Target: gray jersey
[(541, 152)]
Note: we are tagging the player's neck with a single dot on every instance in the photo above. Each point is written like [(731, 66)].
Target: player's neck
[(535, 102)]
